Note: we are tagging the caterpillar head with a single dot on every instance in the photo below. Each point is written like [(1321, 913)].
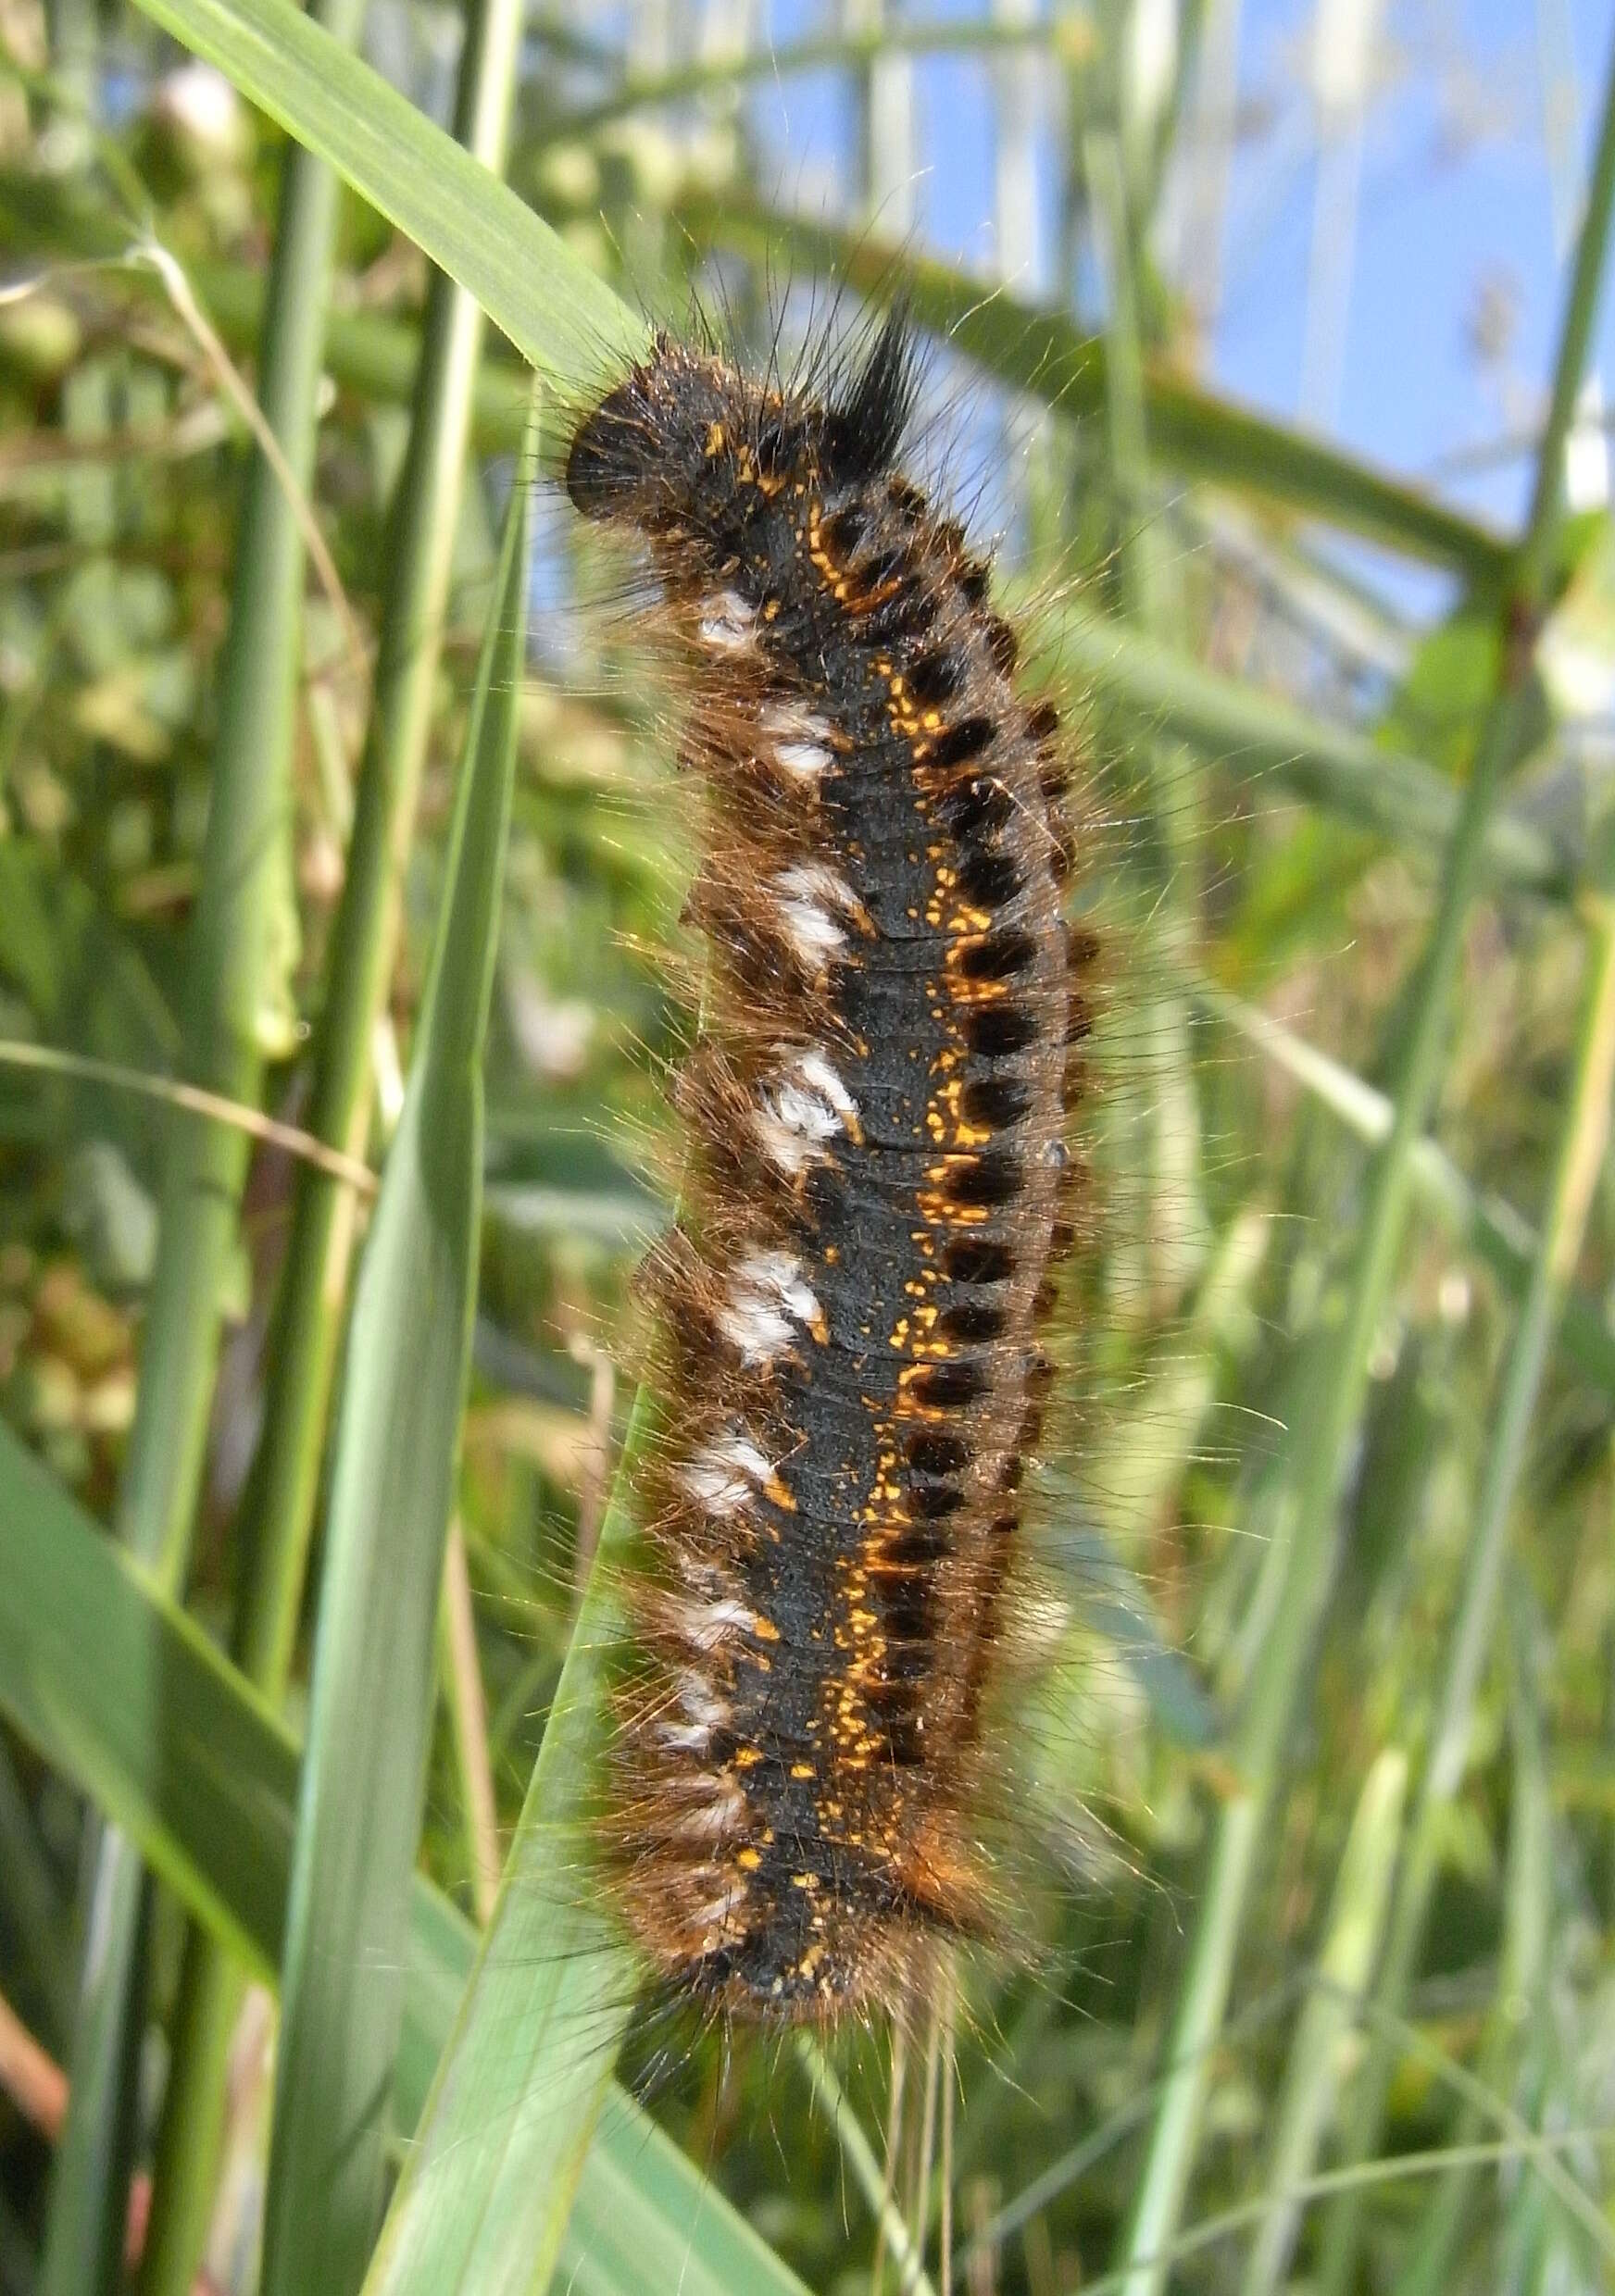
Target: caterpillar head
[(682, 433)]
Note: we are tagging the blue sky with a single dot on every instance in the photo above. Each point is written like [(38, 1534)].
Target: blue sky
[(1456, 214), (1442, 213)]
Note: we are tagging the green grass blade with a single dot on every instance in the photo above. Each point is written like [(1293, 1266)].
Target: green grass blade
[(239, 952), (643, 2220), (241, 946), (1068, 36), (1045, 353), (573, 328), (1484, 1223), (90, 2176), (487, 2187), (375, 1673), (1258, 737), (103, 1672), (185, 2168), (277, 1510), (559, 315), (1344, 1964), (419, 552), (1580, 1159), (1519, 2011), (119, 1690), (1310, 1534)]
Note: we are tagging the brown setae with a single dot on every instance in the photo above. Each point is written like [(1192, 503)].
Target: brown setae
[(880, 1190)]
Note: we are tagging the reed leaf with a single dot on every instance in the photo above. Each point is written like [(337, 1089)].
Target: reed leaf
[(561, 317), (375, 1674), (277, 1509), (112, 1683), (1308, 1554), (240, 950)]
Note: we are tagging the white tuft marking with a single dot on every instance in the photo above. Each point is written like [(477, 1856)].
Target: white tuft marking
[(801, 743), (759, 1332), (728, 623), (814, 930), (817, 1073), (710, 1921), (718, 1815), (807, 897), (724, 1475), (699, 1701), (707, 1624), (807, 1108), (768, 1291), (683, 1736)]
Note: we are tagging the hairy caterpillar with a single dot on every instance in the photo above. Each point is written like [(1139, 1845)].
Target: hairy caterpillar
[(880, 1189)]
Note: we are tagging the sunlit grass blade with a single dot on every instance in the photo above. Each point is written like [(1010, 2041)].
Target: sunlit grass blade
[(277, 1510), (1310, 1535), (239, 948), (396, 1449), (123, 1693), (559, 315)]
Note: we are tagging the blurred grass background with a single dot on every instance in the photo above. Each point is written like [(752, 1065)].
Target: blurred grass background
[(1319, 1784)]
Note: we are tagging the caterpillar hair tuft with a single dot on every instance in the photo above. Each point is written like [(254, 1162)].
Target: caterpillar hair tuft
[(880, 1187)]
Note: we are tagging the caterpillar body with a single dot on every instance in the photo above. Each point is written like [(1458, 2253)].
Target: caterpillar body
[(879, 1192)]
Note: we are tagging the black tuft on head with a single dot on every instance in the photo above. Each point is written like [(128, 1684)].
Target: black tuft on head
[(603, 450), (864, 421)]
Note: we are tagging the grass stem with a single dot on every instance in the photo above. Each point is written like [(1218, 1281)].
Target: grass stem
[(1267, 1721), (1579, 1160), (278, 1507), (239, 953)]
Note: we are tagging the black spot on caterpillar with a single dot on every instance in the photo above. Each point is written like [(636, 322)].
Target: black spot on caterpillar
[(879, 1190)]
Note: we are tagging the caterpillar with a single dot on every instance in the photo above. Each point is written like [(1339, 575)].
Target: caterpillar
[(879, 1190)]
